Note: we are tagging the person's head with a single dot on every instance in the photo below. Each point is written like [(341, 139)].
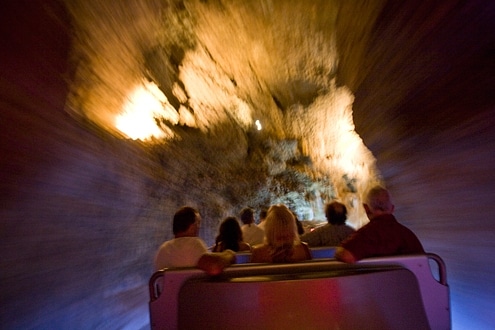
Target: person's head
[(263, 215), (280, 228), (230, 233), (186, 222), (299, 225), (378, 202), (336, 213), (247, 215)]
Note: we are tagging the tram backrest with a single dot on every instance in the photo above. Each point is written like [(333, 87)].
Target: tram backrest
[(320, 294), (325, 252)]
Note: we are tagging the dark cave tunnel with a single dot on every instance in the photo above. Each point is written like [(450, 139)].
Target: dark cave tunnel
[(84, 208)]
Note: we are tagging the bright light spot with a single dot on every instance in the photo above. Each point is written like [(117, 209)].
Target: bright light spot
[(144, 106), (258, 125), (186, 117), (334, 147)]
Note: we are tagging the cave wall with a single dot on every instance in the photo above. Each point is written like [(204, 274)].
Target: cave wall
[(74, 215), (83, 211)]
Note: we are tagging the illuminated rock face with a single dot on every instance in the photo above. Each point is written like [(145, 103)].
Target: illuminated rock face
[(83, 210), (198, 71)]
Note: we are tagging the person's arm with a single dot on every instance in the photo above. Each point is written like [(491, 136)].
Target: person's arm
[(214, 263), (344, 255)]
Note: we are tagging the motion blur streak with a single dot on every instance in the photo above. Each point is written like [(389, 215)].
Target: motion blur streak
[(348, 94)]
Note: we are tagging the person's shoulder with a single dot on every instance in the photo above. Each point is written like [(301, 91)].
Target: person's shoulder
[(260, 249), (348, 228), (243, 246), (260, 253), (369, 228), (304, 251), (165, 244), (190, 241), (406, 229), (324, 227), (396, 224)]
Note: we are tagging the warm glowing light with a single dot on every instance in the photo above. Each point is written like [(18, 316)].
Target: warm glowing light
[(336, 148), (258, 125), (146, 107)]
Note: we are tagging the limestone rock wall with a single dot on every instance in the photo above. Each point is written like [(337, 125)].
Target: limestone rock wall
[(83, 211)]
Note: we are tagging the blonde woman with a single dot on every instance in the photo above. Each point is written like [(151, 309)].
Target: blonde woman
[(282, 242)]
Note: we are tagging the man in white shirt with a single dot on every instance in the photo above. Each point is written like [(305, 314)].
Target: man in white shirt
[(251, 233), (186, 249)]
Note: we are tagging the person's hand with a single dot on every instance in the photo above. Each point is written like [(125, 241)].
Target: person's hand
[(230, 255), (344, 255), (214, 263)]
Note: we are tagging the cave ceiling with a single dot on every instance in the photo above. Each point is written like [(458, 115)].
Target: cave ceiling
[(219, 66), (217, 70)]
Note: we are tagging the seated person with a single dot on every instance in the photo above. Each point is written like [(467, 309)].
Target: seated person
[(332, 233), (282, 240), (186, 249), (262, 218), (300, 227), (382, 236), (230, 237), (250, 231)]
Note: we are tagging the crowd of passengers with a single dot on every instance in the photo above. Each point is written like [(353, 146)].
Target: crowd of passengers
[(279, 237)]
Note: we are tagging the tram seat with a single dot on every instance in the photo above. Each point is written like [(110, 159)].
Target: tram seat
[(380, 293), (325, 252)]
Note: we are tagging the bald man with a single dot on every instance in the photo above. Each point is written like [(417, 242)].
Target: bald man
[(382, 236)]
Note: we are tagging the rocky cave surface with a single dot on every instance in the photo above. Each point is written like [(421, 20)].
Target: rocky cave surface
[(348, 93)]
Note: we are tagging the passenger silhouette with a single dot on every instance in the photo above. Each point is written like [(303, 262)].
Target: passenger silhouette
[(186, 249), (332, 233), (382, 236), (230, 237), (282, 240)]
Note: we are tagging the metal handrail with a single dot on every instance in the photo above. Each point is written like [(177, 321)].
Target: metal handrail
[(442, 269), (154, 290)]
